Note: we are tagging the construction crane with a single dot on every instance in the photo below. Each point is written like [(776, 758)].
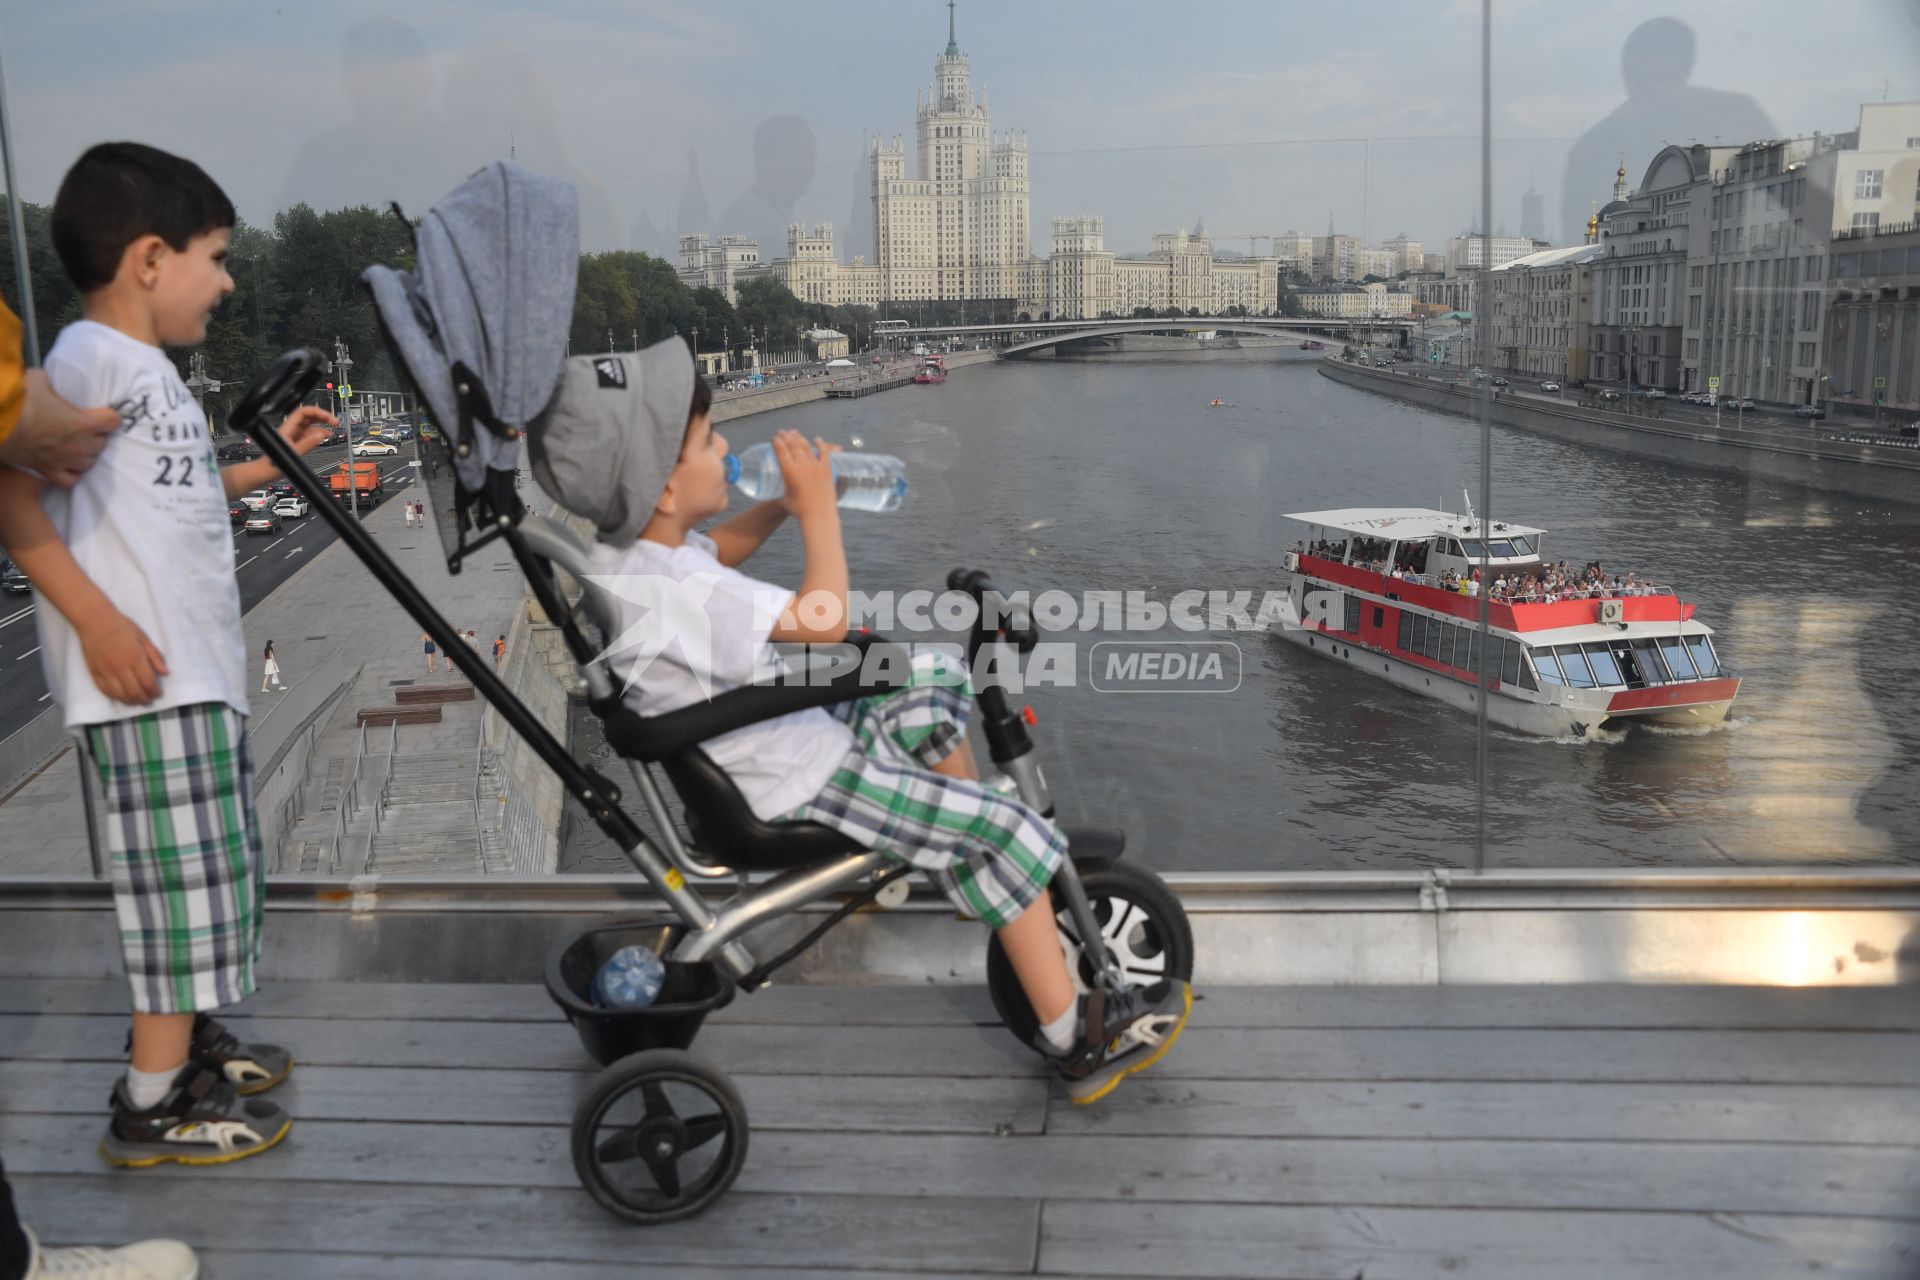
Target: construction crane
[(1253, 250)]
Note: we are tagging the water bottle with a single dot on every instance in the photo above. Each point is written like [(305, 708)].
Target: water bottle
[(865, 481), (630, 979)]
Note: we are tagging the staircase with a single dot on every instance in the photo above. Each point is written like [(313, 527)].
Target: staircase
[(426, 818)]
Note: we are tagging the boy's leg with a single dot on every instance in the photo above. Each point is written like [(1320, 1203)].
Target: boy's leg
[(184, 853), (1031, 939)]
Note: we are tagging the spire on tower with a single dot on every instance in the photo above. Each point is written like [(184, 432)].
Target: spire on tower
[(953, 42)]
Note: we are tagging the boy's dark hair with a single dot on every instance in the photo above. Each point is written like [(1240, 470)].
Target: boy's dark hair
[(120, 191), (702, 398)]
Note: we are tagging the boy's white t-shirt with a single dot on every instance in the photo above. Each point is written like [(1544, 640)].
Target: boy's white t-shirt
[(684, 615), (148, 523)]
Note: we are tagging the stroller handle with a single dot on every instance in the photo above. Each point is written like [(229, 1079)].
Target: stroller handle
[(275, 393)]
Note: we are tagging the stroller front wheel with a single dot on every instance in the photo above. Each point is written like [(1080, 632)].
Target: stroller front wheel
[(661, 1136), (1142, 925)]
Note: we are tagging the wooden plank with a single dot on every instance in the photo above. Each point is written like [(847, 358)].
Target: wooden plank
[(1152, 1105), (1733, 1057), (1882, 1182), (889, 1006), (1694, 1008), (398, 715), (1597, 1007), (1419, 1244), (230, 1265), (547, 1225), (870, 1104)]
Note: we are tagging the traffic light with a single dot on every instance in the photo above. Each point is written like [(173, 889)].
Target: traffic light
[(329, 386)]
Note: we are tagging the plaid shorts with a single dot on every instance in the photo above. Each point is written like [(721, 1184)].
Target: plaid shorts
[(184, 853), (990, 854)]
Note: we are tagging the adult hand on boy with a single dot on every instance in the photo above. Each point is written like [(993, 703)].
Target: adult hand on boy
[(807, 471), (122, 661), (53, 437), (305, 428)]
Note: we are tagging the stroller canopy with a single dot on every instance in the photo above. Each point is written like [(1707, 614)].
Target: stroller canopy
[(493, 285)]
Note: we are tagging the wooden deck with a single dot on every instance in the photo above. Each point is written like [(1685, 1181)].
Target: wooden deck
[(1524, 1133)]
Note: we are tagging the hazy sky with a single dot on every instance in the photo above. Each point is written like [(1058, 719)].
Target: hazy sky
[(1245, 112)]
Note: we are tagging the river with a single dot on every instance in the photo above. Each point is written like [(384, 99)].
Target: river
[(1111, 476)]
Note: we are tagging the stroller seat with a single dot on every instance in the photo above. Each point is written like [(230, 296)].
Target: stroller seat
[(726, 830)]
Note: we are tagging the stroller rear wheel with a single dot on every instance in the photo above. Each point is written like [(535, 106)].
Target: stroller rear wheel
[(661, 1136), (1141, 922)]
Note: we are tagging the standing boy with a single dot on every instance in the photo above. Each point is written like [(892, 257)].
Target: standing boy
[(144, 649)]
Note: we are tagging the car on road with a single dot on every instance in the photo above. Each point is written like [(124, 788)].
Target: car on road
[(282, 489), (263, 521), (256, 500), (1809, 411), (1501, 382), (1650, 393), (237, 513), (292, 506), (238, 451), (14, 582), (402, 433), (1742, 403), (1549, 386), (374, 449)]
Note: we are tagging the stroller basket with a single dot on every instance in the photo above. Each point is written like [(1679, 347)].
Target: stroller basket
[(691, 990)]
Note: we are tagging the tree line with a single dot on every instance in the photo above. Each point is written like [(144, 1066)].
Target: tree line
[(297, 284)]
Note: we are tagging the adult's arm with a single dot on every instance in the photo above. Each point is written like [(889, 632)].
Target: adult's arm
[(38, 430)]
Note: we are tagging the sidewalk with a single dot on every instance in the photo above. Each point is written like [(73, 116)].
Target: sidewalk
[(329, 604)]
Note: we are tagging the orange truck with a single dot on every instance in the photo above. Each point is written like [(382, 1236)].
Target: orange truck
[(349, 477)]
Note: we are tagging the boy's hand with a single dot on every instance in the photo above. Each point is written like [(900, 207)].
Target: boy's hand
[(302, 429), (122, 661), (807, 472)]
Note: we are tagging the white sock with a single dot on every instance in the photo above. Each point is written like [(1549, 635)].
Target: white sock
[(1061, 1034), (145, 1089)]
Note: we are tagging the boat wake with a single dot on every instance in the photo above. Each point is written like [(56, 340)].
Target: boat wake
[(1699, 730)]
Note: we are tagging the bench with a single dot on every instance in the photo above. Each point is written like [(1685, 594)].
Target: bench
[(399, 715), (433, 693)]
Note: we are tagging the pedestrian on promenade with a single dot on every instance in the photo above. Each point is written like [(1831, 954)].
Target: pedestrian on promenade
[(408, 512), (499, 653), (432, 658), (41, 431), (158, 691), (270, 669)]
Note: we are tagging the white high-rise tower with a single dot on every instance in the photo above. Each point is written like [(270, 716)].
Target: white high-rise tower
[(958, 229)]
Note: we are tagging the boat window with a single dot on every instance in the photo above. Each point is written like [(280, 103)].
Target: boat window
[(1674, 650), (1605, 670), (1704, 659), (1449, 634), (1521, 547), (1548, 666), (1573, 665), (1472, 546), (1526, 669), (1430, 643), (1502, 549), (1653, 669), (1406, 631), (1353, 614), (1510, 662), (1472, 662)]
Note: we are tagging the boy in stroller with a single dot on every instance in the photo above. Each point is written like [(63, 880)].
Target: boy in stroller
[(631, 447)]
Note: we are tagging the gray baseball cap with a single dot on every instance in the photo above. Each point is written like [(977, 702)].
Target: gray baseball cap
[(607, 441)]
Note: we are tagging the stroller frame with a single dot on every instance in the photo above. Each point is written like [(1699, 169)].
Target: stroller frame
[(539, 545), (703, 949)]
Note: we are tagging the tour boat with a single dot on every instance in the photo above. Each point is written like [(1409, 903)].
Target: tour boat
[(932, 370), (1563, 666)]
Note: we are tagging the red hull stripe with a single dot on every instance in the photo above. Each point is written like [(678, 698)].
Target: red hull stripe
[(1674, 695), (1510, 617)]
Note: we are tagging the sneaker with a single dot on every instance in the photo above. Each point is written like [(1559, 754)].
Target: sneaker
[(1124, 1034), (249, 1068), (202, 1121), (147, 1260)]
